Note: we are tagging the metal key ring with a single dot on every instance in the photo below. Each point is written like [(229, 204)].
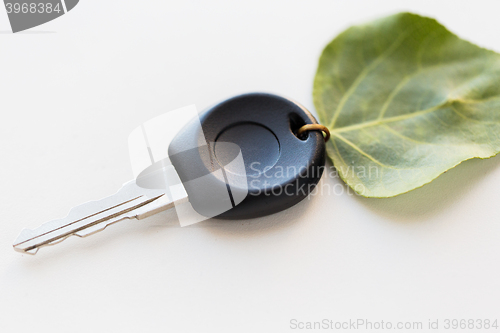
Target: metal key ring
[(315, 127)]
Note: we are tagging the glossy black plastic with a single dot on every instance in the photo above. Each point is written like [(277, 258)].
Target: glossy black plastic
[(281, 168)]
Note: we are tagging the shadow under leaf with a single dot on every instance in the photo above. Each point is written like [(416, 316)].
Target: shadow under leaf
[(436, 196)]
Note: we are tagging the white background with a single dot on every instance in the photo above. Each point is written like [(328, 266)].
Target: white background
[(72, 90)]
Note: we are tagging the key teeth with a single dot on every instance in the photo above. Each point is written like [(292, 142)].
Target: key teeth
[(32, 252), (100, 227), (27, 234), (91, 230), (75, 212), (21, 250), (23, 236), (90, 218)]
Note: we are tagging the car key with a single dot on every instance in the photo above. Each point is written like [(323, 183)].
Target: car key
[(283, 154)]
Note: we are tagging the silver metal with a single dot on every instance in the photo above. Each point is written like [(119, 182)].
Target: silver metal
[(132, 201)]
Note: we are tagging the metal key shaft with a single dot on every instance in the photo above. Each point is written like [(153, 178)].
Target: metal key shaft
[(131, 201)]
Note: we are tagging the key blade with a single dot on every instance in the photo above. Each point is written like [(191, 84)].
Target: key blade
[(130, 202), (93, 215)]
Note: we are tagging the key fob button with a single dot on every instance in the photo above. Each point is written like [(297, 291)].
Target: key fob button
[(257, 143)]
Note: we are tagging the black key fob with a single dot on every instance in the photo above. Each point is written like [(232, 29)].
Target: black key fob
[(278, 169)]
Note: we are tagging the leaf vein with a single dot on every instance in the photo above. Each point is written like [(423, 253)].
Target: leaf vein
[(362, 75), (393, 94), (408, 138), (360, 151), (385, 120)]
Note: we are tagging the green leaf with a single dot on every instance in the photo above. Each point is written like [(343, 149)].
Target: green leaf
[(405, 100)]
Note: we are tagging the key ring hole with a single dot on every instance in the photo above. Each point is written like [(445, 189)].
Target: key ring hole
[(296, 122)]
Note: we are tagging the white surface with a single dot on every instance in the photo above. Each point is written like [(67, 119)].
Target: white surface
[(69, 99)]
